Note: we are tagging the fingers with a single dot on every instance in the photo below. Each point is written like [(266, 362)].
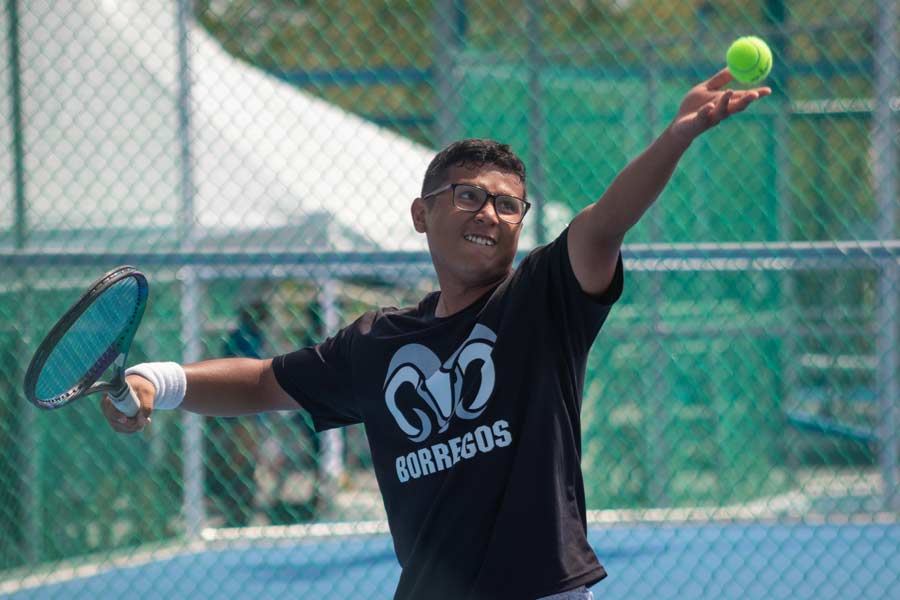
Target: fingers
[(718, 105), (706, 111), (719, 80), (724, 77), (742, 100), (121, 422), (730, 102), (712, 113), (721, 110)]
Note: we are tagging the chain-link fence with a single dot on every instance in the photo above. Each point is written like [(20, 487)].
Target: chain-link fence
[(257, 158)]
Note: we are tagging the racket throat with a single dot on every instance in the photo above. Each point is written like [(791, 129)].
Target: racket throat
[(120, 389)]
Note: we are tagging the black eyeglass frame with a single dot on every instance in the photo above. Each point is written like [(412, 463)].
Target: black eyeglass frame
[(488, 197)]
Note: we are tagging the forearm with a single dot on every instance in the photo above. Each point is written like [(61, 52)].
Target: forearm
[(634, 190), (232, 387)]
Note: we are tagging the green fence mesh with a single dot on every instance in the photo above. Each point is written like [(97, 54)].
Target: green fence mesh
[(256, 158)]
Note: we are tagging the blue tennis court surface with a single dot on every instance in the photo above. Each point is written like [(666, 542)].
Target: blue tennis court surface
[(789, 561)]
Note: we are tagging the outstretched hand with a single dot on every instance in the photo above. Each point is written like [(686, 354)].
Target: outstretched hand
[(707, 104)]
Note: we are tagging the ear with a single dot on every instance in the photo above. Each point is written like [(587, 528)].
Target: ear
[(419, 210)]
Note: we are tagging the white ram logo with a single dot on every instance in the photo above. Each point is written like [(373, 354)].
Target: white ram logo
[(438, 385)]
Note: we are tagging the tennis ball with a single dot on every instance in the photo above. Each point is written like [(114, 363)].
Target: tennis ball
[(749, 59)]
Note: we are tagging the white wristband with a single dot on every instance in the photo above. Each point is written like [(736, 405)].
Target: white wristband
[(169, 380)]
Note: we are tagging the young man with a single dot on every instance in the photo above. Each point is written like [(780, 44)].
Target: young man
[(471, 400)]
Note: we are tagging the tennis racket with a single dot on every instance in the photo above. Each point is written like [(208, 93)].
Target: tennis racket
[(94, 334)]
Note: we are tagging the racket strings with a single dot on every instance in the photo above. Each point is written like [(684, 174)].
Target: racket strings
[(86, 346)]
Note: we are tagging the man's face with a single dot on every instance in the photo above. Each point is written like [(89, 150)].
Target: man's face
[(472, 248)]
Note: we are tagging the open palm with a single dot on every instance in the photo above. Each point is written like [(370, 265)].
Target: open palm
[(708, 104)]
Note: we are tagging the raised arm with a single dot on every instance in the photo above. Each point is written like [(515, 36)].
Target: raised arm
[(597, 232), (224, 387)]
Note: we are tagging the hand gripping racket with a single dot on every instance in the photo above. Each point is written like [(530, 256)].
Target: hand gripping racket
[(93, 335)]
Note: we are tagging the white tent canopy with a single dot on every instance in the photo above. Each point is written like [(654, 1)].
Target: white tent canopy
[(271, 165)]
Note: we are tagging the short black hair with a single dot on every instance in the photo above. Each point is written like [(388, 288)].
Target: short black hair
[(472, 153)]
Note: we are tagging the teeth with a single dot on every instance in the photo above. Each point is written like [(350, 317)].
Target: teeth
[(477, 239)]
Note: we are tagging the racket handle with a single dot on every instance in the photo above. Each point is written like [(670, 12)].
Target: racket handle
[(126, 401)]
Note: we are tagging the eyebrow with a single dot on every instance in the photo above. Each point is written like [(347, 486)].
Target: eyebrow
[(489, 191)]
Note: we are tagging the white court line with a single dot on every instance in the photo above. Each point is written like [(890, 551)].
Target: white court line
[(211, 538), (64, 571), (295, 532), (787, 508)]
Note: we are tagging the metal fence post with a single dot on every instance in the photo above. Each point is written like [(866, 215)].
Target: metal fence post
[(884, 153), (192, 442)]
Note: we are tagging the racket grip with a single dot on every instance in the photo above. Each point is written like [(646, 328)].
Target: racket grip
[(126, 401)]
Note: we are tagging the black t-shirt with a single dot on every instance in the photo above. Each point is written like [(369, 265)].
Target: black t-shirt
[(474, 426)]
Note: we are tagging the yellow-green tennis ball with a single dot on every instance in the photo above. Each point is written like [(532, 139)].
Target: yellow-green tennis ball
[(749, 59)]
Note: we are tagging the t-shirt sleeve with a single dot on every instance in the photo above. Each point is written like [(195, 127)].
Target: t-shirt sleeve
[(547, 271), (320, 379)]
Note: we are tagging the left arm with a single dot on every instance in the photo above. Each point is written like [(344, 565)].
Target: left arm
[(597, 232)]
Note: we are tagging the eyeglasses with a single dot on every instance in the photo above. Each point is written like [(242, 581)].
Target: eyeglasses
[(472, 198)]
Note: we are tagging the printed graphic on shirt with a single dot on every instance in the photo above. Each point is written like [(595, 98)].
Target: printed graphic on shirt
[(435, 388), (438, 386)]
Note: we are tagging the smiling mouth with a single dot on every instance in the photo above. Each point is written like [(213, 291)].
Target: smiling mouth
[(480, 240)]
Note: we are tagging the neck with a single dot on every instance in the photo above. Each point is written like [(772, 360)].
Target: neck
[(455, 298)]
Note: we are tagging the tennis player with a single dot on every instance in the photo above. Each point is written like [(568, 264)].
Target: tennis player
[(471, 399)]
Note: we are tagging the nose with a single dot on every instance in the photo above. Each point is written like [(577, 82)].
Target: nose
[(488, 213)]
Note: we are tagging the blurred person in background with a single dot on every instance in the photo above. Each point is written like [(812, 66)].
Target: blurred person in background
[(295, 447), (233, 443)]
